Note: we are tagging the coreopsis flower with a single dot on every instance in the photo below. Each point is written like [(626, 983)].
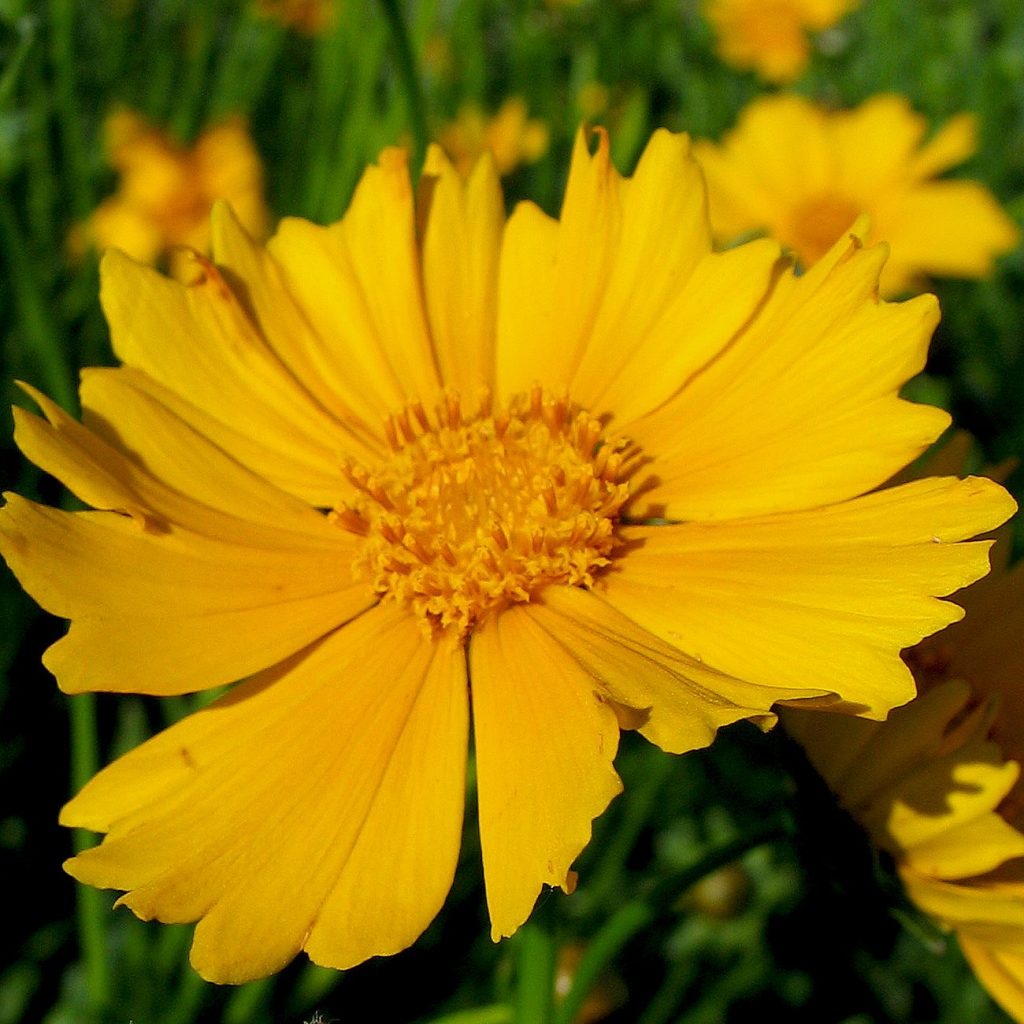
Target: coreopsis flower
[(309, 17), (802, 174), (166, 191), (770, 37), (511, 136), (586, 470), (938, 785)]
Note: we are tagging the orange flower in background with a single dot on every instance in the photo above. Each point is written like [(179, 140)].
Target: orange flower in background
[(510, 136), (166, 191), (938, 785), (803, 174), (771, 36), (310, 17), (585, 471)]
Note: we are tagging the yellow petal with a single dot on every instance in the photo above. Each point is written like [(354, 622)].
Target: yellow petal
[(544, 743), (571, 261), (971, 848), (171, 611), (1000, 971), (664, 237), (825, 598), (235, 816), (174, 475), (776, 156), (460, 269), (912, 736), (721, 296), (313, 359), (985, 648), (401, 867), (872, 146), (358, 284), (527, 290), (941, 817), (256, 450), (832, 358), (680, 702), (953, 143), (946, 228), (982, 909), (207, 350), (120, 224)]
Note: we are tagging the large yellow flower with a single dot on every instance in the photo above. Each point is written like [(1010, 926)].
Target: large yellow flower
[(585, 469), (935, 787), (770, 36), (803, 174), (166, 190)]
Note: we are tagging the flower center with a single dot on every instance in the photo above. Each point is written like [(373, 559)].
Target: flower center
[(468, 515), (817, 224)]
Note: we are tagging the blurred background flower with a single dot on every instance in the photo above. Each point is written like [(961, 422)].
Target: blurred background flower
[(165, 190), (509, 135), (803, 173), (771, 36), (938, 785)]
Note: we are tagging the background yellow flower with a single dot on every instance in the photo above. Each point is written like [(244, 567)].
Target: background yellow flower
[(938, 785), (510, 136), (166, 191), (771, 36), (803, 173)]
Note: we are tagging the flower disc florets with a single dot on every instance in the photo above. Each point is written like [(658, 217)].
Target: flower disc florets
[(469, 515)]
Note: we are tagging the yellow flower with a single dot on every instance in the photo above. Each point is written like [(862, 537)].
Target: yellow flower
[(770, 36), (310, 17), (510, 136), (935, 785), (586, 469), (166, 191), (803, 174)]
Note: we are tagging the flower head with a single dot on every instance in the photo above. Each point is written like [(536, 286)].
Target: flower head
[(166, 191), (770, 36), (938, 785), (584, 469), (510, 136), (803, 174)]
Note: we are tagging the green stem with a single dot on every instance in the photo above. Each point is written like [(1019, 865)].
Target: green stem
[(633, 918), (605, 946), (410, 80), (191, 93), (91, 909), (607, 876), (34, 312), (499, 1013), (187, 998), (663, 1006), (64, 62), (246, 1001), (535, 976), (26, 29)]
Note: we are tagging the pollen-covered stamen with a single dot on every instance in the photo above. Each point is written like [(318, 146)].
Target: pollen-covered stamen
[(470, 513)]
